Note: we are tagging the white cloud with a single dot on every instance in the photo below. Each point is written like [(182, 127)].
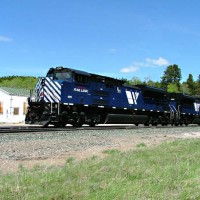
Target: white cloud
[(148, 63), (158, 62), (129, 69), (5, 39)]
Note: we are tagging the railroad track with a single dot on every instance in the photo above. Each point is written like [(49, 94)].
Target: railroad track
[(20, 129), (32, 129)]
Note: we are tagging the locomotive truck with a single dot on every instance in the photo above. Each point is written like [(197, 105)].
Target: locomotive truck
[(69, 96)]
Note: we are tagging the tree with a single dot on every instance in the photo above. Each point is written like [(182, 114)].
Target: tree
[(191, 84), (149, 82), (172, 75), (136, 81), (197, 86), (172, 87), (185, 88)]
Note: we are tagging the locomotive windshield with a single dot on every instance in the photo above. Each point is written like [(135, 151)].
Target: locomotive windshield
[(63, 75), (60, 74)]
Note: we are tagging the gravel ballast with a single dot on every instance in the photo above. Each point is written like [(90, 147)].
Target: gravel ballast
[(29, 149)]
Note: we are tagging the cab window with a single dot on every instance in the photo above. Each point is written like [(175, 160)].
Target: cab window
[(80, 78), (63, 75)]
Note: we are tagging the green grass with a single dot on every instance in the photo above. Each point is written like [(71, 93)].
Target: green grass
[(141, 145), (169, 171)]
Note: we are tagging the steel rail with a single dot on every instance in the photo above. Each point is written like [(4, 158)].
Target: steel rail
[(32, 129)]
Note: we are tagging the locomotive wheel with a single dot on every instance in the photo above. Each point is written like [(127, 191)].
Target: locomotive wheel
[(154, 124), (62, 124), (92, 124), (77, 122), (77, 125), (57, 125)]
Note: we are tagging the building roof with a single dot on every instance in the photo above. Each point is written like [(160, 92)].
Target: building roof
[(16, 91)]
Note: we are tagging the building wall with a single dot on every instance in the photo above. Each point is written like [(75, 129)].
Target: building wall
[(13, 108)]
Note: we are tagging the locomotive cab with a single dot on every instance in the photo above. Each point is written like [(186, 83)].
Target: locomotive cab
[(155, 104), (197, 111), (185, 108)]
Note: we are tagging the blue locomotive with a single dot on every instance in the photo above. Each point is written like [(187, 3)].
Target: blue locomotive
[(69, 96)]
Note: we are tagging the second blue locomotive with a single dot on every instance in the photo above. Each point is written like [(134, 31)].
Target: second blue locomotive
[(69, 96)]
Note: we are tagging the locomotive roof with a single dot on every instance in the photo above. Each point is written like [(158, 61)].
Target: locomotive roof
[(147, 88), (131, 86), (96, 77), (70, 69), (180, 96)]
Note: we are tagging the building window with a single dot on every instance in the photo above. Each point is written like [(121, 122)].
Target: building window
[(24, 108), (16, 111), (1, 107)]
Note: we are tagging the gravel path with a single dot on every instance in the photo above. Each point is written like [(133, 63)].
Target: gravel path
[(49, 148)]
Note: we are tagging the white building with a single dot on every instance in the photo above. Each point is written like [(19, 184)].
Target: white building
[(13, 104)]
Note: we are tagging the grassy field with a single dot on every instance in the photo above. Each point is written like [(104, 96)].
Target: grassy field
[(168, 171)]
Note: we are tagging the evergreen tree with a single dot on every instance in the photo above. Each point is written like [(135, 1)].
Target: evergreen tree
[(197, 86), (191, 84), (172, 75)]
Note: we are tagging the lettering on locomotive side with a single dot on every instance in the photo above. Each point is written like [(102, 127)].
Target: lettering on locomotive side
[(132, 97), (80, 90)]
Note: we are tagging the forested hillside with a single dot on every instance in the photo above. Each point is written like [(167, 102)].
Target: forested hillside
[(27, 82)]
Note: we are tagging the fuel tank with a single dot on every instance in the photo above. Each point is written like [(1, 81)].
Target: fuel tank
[(126, 119)]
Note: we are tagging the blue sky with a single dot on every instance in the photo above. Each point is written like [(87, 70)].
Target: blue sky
[(117, 38)]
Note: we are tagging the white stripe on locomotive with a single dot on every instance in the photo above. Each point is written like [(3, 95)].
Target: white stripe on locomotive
[(49, 94), (55, 85), (53, 92), (47, 97), (197, 107)]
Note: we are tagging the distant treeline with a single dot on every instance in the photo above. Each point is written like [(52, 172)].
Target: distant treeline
[(171, 82), (27, 82)]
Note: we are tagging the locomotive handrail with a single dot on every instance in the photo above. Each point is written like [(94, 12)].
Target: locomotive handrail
[(179, 113), (51, 107), (171, 112)]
